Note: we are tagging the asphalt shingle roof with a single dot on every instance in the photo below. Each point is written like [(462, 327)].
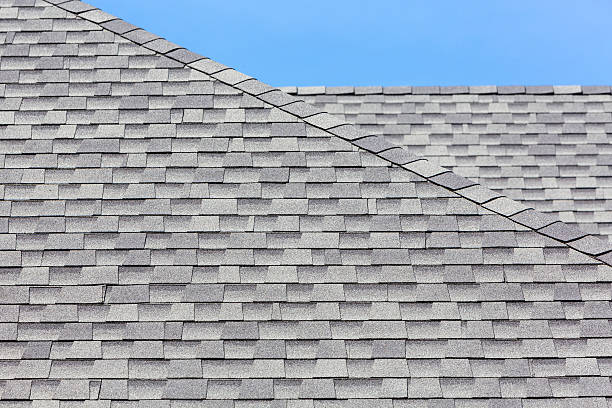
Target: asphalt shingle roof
[(176, 234), (549, 147)]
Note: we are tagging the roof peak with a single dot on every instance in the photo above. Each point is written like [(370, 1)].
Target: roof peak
[(397, 155)]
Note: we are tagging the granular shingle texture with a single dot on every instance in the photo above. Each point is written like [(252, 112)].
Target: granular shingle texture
[(170, 239), (548, 147)]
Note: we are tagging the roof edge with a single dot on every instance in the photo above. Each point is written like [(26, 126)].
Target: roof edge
[(543, 224), (451, 90)]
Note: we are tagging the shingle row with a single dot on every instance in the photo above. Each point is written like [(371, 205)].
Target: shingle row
[(255, 389), (464, 289), (277, 365), (448, 90), (40, 233)]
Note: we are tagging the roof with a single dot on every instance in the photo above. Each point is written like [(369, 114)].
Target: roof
[(549, 147), (177, 234)]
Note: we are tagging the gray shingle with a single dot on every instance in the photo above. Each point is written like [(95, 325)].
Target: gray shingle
[(127, 294), (375, 144), (346, 132), (591, 245), (534, 219), (483, 89), (184, 56), (185, 389), (562, 232), (310, 90), (230, 76), (606, 258), (567, 89), (454, 90), (140, 36), (399, 156), (323, 121), (118, 26), (592, 90), (539, 89), (452, 181), (97, 16), (76, 6), (60, 389), (421, 90), (357, 388), (425, 168), (207, 66), (504, 206), (160, 45), (395, 90), (254, 87), (511, 89), (274, 97)]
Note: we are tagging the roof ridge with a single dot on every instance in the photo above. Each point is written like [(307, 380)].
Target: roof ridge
[(543, 224), (451, 90)]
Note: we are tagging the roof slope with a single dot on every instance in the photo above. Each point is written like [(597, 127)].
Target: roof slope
[(548, 147), (171, 234)]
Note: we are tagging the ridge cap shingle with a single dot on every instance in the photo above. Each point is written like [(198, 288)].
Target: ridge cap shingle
[(376, 144)]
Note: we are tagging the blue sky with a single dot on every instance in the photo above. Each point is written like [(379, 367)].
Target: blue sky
[(390, 42)]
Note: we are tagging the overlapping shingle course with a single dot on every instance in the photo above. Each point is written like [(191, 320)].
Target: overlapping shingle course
[(172, 237)]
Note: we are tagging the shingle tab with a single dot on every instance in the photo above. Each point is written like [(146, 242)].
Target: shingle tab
[(118, 26), (534, 219), (160, 45), (184, 56), (505, 206), (375, 144), (230, 76), (562, 232), (76, 6), (346, 132), (399, 156), (323, 121), (208, 66), (591, 245), (425, 168), (97, 16), (140, 36), (254, 87), (275, 97), (452, 181)]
